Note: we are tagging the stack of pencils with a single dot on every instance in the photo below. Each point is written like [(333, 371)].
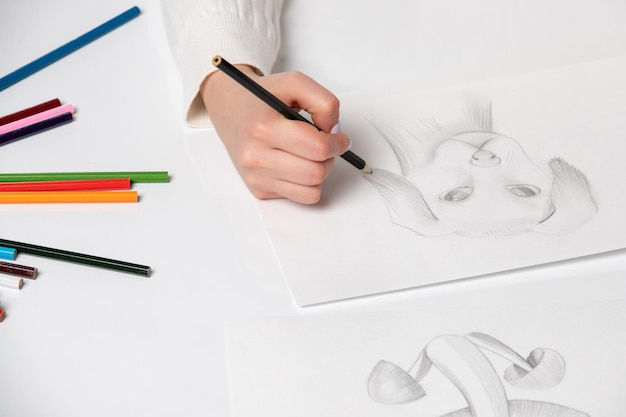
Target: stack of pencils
[(74, 187), (35, 119), (62, 187)]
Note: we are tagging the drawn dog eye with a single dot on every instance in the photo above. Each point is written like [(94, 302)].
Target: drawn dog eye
[(456, 194), (523, 190)]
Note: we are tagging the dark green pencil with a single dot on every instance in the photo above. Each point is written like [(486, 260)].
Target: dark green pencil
[(79, 258)]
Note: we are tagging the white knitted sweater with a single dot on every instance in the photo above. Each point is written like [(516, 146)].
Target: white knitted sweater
[(242, 31)]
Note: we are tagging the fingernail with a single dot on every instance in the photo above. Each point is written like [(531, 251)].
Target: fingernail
[(336, 128)]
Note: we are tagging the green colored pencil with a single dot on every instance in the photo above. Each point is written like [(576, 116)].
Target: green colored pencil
[(135, 176)]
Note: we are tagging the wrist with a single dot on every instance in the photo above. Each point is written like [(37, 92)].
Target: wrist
[(217, 80)]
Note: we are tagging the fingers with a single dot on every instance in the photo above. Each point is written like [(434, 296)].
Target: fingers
[(277, 157), (304, 140), (276, 173), (319, 102)]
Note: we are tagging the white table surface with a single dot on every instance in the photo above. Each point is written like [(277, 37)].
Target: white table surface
[(81, 341)]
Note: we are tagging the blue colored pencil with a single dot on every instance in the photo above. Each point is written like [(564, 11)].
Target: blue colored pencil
[(68, 48), (7, 253)]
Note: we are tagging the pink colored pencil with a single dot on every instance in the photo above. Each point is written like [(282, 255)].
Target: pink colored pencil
[(18, 124), (67, 185)]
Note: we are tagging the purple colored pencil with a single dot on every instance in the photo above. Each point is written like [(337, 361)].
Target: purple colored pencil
[(35, 128)]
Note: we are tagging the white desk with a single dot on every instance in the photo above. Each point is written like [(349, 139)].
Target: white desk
[(81, 341)]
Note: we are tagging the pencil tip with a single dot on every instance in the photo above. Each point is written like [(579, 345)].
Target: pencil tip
[(367, 169)]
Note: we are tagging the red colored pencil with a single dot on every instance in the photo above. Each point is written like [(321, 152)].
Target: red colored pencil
[(68, 185), (47, 105), (2, 315)]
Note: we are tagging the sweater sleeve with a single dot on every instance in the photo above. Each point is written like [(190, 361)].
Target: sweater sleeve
[(242, 31)]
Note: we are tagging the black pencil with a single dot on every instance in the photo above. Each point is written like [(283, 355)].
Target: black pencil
[(278, 105), (79, 258)]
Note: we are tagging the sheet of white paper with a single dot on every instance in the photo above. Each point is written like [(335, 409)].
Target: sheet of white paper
[(324, 365), (358, 241)]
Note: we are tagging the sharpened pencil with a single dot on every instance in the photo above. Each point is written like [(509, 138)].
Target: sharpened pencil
[(278, 105), (134, 176), (38, 108), (80, 258), (67, 48), (42, 197)]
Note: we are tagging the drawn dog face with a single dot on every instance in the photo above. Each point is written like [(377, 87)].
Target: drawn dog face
[(480, 182), (476, 182)]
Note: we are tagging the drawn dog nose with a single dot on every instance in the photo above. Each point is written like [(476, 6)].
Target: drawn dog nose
[(484, 159)]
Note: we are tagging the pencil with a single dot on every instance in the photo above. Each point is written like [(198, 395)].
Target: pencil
[(18, 124), (67, 256), (18, 270), (34, 128), (134, 176), (2, 315), (67, 48), (278, 105), (30, 197), (68, 185), (46, 105), (7, 253), (14, 284)]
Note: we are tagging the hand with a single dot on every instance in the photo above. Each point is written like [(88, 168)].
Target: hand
[(276, 157)]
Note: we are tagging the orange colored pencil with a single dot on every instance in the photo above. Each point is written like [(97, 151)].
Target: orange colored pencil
[(67, 185), (25, 197)]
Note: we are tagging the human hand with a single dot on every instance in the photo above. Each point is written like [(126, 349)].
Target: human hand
[(276, 157)]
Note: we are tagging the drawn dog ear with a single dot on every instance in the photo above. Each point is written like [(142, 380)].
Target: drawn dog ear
[(405, 204), (571, 203)]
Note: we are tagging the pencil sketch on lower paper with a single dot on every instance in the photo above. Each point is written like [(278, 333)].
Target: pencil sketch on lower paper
[(462, 360), (462, 177)]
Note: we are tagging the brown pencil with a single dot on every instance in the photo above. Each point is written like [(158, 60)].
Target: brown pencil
[(18, 270)]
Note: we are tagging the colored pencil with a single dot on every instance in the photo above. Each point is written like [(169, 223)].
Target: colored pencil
[(13, 283), (79, 258), (46, 105), (67, 48), (7, 253), (18, 124), (2, 315), (34, 197), (69, 185), (135, 176), (278, 105), (18, 270), (35, 128)]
